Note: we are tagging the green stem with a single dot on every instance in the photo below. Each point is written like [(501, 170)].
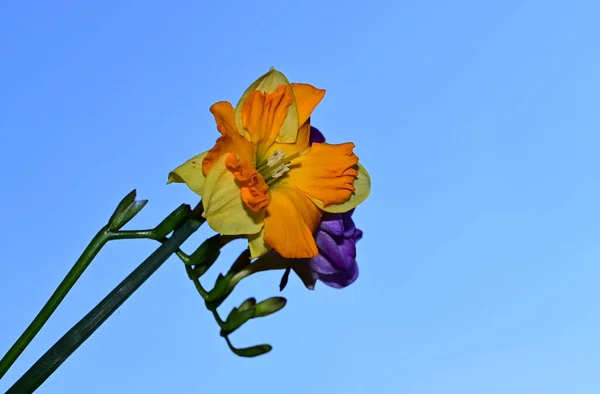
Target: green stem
[(101, 238), (59, 294), (204, 294), (265, 263), (134, 234), (57, 354)]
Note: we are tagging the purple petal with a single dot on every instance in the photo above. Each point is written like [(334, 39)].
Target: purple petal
[(339, 252), (320, 265), (315, 136), (348, 250), (332, 224), (357, 236), (340, 279), (349, 227)]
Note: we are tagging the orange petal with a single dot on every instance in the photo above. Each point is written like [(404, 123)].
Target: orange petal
[(290, 223), (269, 83), (325, 172), (263, 115), (230, 141), (255, 191), (224, 116), (307, 99)]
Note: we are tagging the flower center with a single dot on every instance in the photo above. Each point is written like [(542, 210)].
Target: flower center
[(276, 166), (255, 182)]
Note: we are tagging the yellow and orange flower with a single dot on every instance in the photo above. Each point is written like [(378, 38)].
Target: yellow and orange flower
[(263, 179)]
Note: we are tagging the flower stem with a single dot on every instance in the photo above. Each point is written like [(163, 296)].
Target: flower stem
[(59, 294), (107, 233), (57, 354)]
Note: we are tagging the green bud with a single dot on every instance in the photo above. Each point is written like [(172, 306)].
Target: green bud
[(207, 253), (269, 306), (235, 320), (241, 262), (284, 279), (125, 211), (248, 304), (218, 294), (252, 351), (171, 222), (205, 263)]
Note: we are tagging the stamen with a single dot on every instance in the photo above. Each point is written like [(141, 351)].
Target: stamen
[(272, 160), (277, 165), (275, 157), (291, 157), (280, 171)]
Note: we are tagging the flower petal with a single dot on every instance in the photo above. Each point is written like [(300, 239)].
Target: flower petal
[(307, 99), (325, 172), (257, 245), (333, 224), (255, 192), (322, 266), (339, 252), (340, 279), (263, 115), (270, 83), (230, 141), (302, 142), (349, 227), (290, 223), (190, 173), (362, 186), (224, 117), (357, 235), (224, 209), (316, 136)]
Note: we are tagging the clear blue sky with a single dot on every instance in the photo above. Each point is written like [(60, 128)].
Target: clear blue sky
[(478, 121)]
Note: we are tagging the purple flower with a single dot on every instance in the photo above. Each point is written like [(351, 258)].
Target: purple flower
[(336, 240), (315, 136)]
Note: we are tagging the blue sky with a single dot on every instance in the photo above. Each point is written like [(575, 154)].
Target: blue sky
[(478, 122)]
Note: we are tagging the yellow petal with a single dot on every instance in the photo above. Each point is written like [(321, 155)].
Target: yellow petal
[(302, 142), (257, 245), (362, 184), (269, 83), (190, 173), (224, 209)]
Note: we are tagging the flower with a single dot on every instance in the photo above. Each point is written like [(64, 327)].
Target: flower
[(263, 179), (336, 238)]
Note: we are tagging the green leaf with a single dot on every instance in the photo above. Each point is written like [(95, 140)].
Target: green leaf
[(269, 306)]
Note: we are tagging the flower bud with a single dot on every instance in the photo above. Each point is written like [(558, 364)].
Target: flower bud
[(269, 306), (126, 210)]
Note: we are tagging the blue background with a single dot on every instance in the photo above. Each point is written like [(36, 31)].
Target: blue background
[(478, 122)]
